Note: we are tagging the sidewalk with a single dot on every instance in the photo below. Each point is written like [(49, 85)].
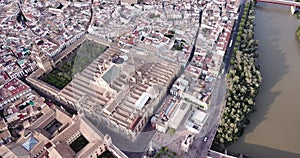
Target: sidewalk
[(172, 142)]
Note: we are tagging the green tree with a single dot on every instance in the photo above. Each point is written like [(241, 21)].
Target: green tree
[(244, 80)]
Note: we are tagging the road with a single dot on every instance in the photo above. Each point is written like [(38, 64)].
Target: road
[(214, 116), (133, 149), (229, 51), (200, 147)]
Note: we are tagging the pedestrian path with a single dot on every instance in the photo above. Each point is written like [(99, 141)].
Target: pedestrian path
[(172, 142)]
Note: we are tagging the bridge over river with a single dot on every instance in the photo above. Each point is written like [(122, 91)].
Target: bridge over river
[(294, 5)]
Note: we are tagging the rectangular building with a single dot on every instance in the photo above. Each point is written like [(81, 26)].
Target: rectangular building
[(55, 134)]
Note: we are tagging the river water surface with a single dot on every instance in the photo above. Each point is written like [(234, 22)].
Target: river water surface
[(274, 131)]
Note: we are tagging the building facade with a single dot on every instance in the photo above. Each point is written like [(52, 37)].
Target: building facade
[(55, 134)]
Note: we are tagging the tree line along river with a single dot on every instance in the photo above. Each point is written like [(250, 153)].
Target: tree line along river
[(275, 126)]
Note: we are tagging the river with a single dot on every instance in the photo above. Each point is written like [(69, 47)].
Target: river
[(274, 130)]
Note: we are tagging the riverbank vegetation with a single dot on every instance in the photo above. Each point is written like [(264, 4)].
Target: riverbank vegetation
[(244, 80), (298, 32), (297, 13)]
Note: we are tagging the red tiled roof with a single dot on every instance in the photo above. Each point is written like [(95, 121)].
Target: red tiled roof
[(207, 60), (164, 39), (5, 76), (130, 41), (227, 40), (135, 122), (18, 90), (21, 116), (198, 57), (7, 85)]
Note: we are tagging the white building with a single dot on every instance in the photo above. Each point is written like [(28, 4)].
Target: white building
[(196, 121), (170, 115), (179, 114), (188, 141), (182, 89)]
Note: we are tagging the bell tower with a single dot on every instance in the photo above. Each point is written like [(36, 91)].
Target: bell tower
[(43, 61)]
